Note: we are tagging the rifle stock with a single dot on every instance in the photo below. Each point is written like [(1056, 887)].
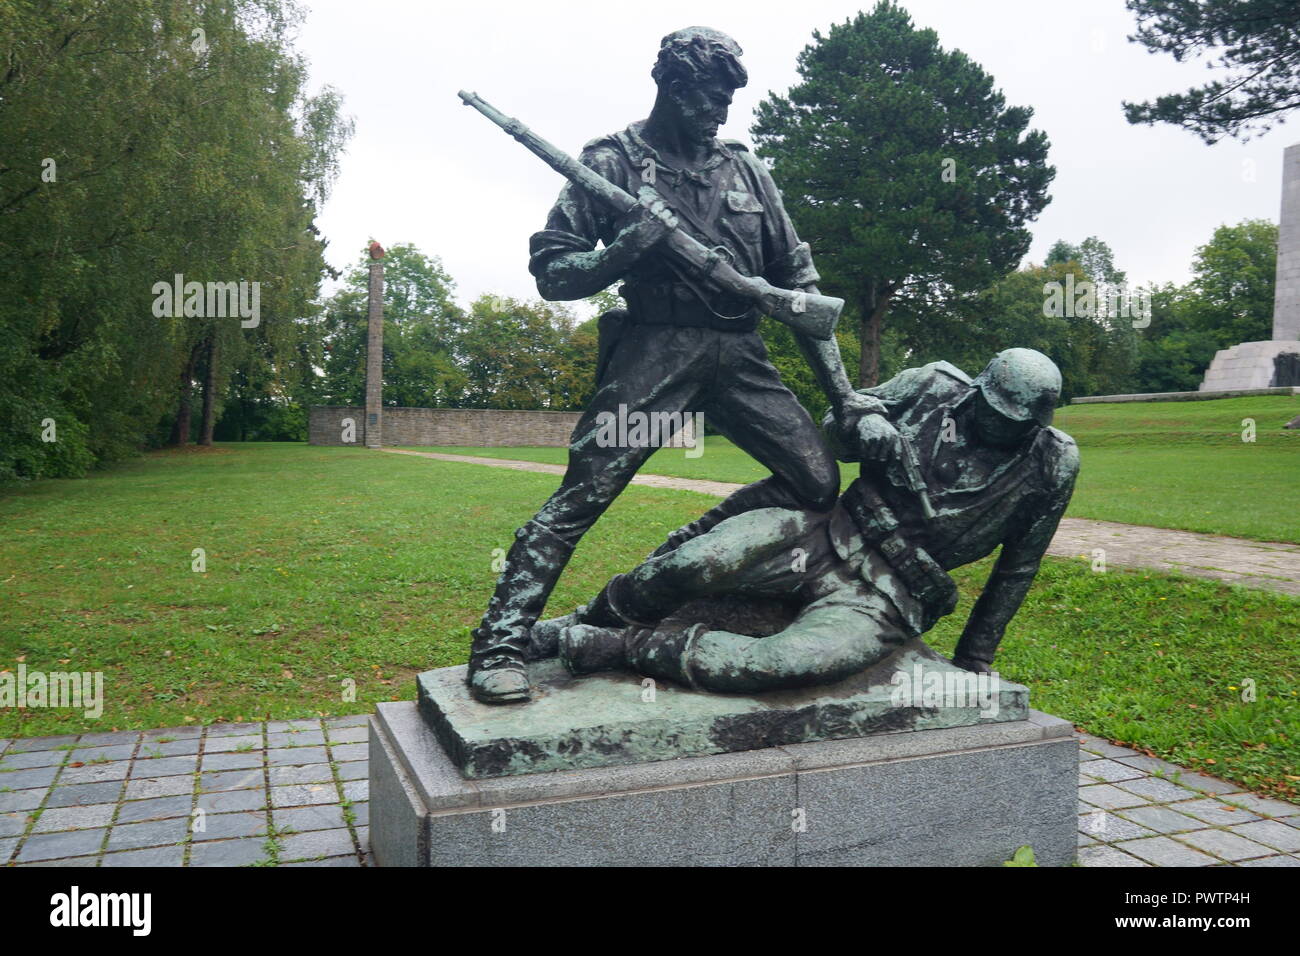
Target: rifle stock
[(809, 314)]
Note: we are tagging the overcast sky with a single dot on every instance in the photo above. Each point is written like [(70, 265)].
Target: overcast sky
[(424, 169)]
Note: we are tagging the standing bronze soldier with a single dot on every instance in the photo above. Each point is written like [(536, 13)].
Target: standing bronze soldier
[(676, 348)]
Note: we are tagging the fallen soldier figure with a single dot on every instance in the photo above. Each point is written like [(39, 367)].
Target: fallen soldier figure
[(873, 572)]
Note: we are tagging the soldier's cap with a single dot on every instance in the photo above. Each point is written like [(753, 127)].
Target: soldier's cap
[(1021, 384)]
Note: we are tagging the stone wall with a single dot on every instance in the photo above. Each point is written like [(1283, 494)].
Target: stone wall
[(481, 427)]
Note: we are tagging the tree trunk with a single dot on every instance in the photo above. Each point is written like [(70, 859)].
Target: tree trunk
[(210, 391), (874, 306), (181, 426)]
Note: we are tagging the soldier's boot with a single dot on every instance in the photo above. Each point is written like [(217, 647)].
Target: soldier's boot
[(975, 653), (501, 641), (664, 653), (619, 604), (771, 492)]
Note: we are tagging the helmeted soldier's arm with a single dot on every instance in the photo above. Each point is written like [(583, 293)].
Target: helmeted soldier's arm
[(1016, 566), (564, 257)]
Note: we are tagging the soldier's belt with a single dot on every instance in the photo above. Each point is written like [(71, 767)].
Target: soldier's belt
[(673, 303), (924, 577)]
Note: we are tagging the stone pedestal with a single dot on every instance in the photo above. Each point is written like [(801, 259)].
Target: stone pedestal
[(1251, 365), (959, 796)]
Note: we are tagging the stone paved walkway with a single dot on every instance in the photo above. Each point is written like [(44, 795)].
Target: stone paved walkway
[(296, 793), (1256, 564)]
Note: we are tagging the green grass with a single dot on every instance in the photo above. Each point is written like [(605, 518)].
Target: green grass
[(333, 563), (1167, 464)]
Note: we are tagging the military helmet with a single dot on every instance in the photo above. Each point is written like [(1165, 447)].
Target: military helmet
[(1021, 384)]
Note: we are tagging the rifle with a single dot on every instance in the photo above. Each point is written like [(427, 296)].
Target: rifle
[(813, 315)]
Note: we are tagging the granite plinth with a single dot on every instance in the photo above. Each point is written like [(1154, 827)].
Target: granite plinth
[(619, 718), (1252, 365), (960, 796)]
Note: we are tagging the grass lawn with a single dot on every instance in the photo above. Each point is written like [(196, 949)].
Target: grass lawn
[(334, 564), (1167, 464)]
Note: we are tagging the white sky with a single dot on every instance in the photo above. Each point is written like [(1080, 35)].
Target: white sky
[(424, 169)]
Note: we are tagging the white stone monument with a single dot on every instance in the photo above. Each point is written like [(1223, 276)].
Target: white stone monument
[(1254, 364)]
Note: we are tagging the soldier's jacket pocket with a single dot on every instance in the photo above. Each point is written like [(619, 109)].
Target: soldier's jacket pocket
[(741, 201)]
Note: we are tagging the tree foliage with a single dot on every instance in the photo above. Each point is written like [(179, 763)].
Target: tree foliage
[(1257, 41), (903, 167)]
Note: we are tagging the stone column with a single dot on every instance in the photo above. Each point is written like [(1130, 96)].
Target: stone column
[(375, 350), (1286, 302)]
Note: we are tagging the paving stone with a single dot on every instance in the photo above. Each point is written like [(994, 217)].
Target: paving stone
[(1272, 861), (351, 752), (1271, 833), (232, 761), (173, 748), (4, 742), (356, 790), (354, 770), (1107, 827), (301, 738), (231, 780), (223, 826), (234, 730), (80, 862), (35, 758), (228, 852), (29, 779), (132, 836), (1200, 781), (42, 743), (1150, 764), (296, 756), (1086, 755), (361, 814), (230, 801), (175, 733), (158, 787), (53, 846), (282, 726), (164, 766), (1264, 806), (96, 772), (316, 844), (302, 819), (7, 849), (1109, 796), (349, 735), (1102, 855), (328, 861), (1162, 819), (1156, 789), (1108, 771), (238, 742), (109, 738), (1162, 851), (355, 720), (1226, 846), (14, 823), (153, 857), (308, 773), (298, 795), (74, 818), (24, 799), (1105, 748), (102, 754), (158, 808), (1212, 810)]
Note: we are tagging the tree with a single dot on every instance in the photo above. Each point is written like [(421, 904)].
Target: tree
[(143, 139), (904, 168), (1094, 255), (1234, 275), (1260, 43)]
